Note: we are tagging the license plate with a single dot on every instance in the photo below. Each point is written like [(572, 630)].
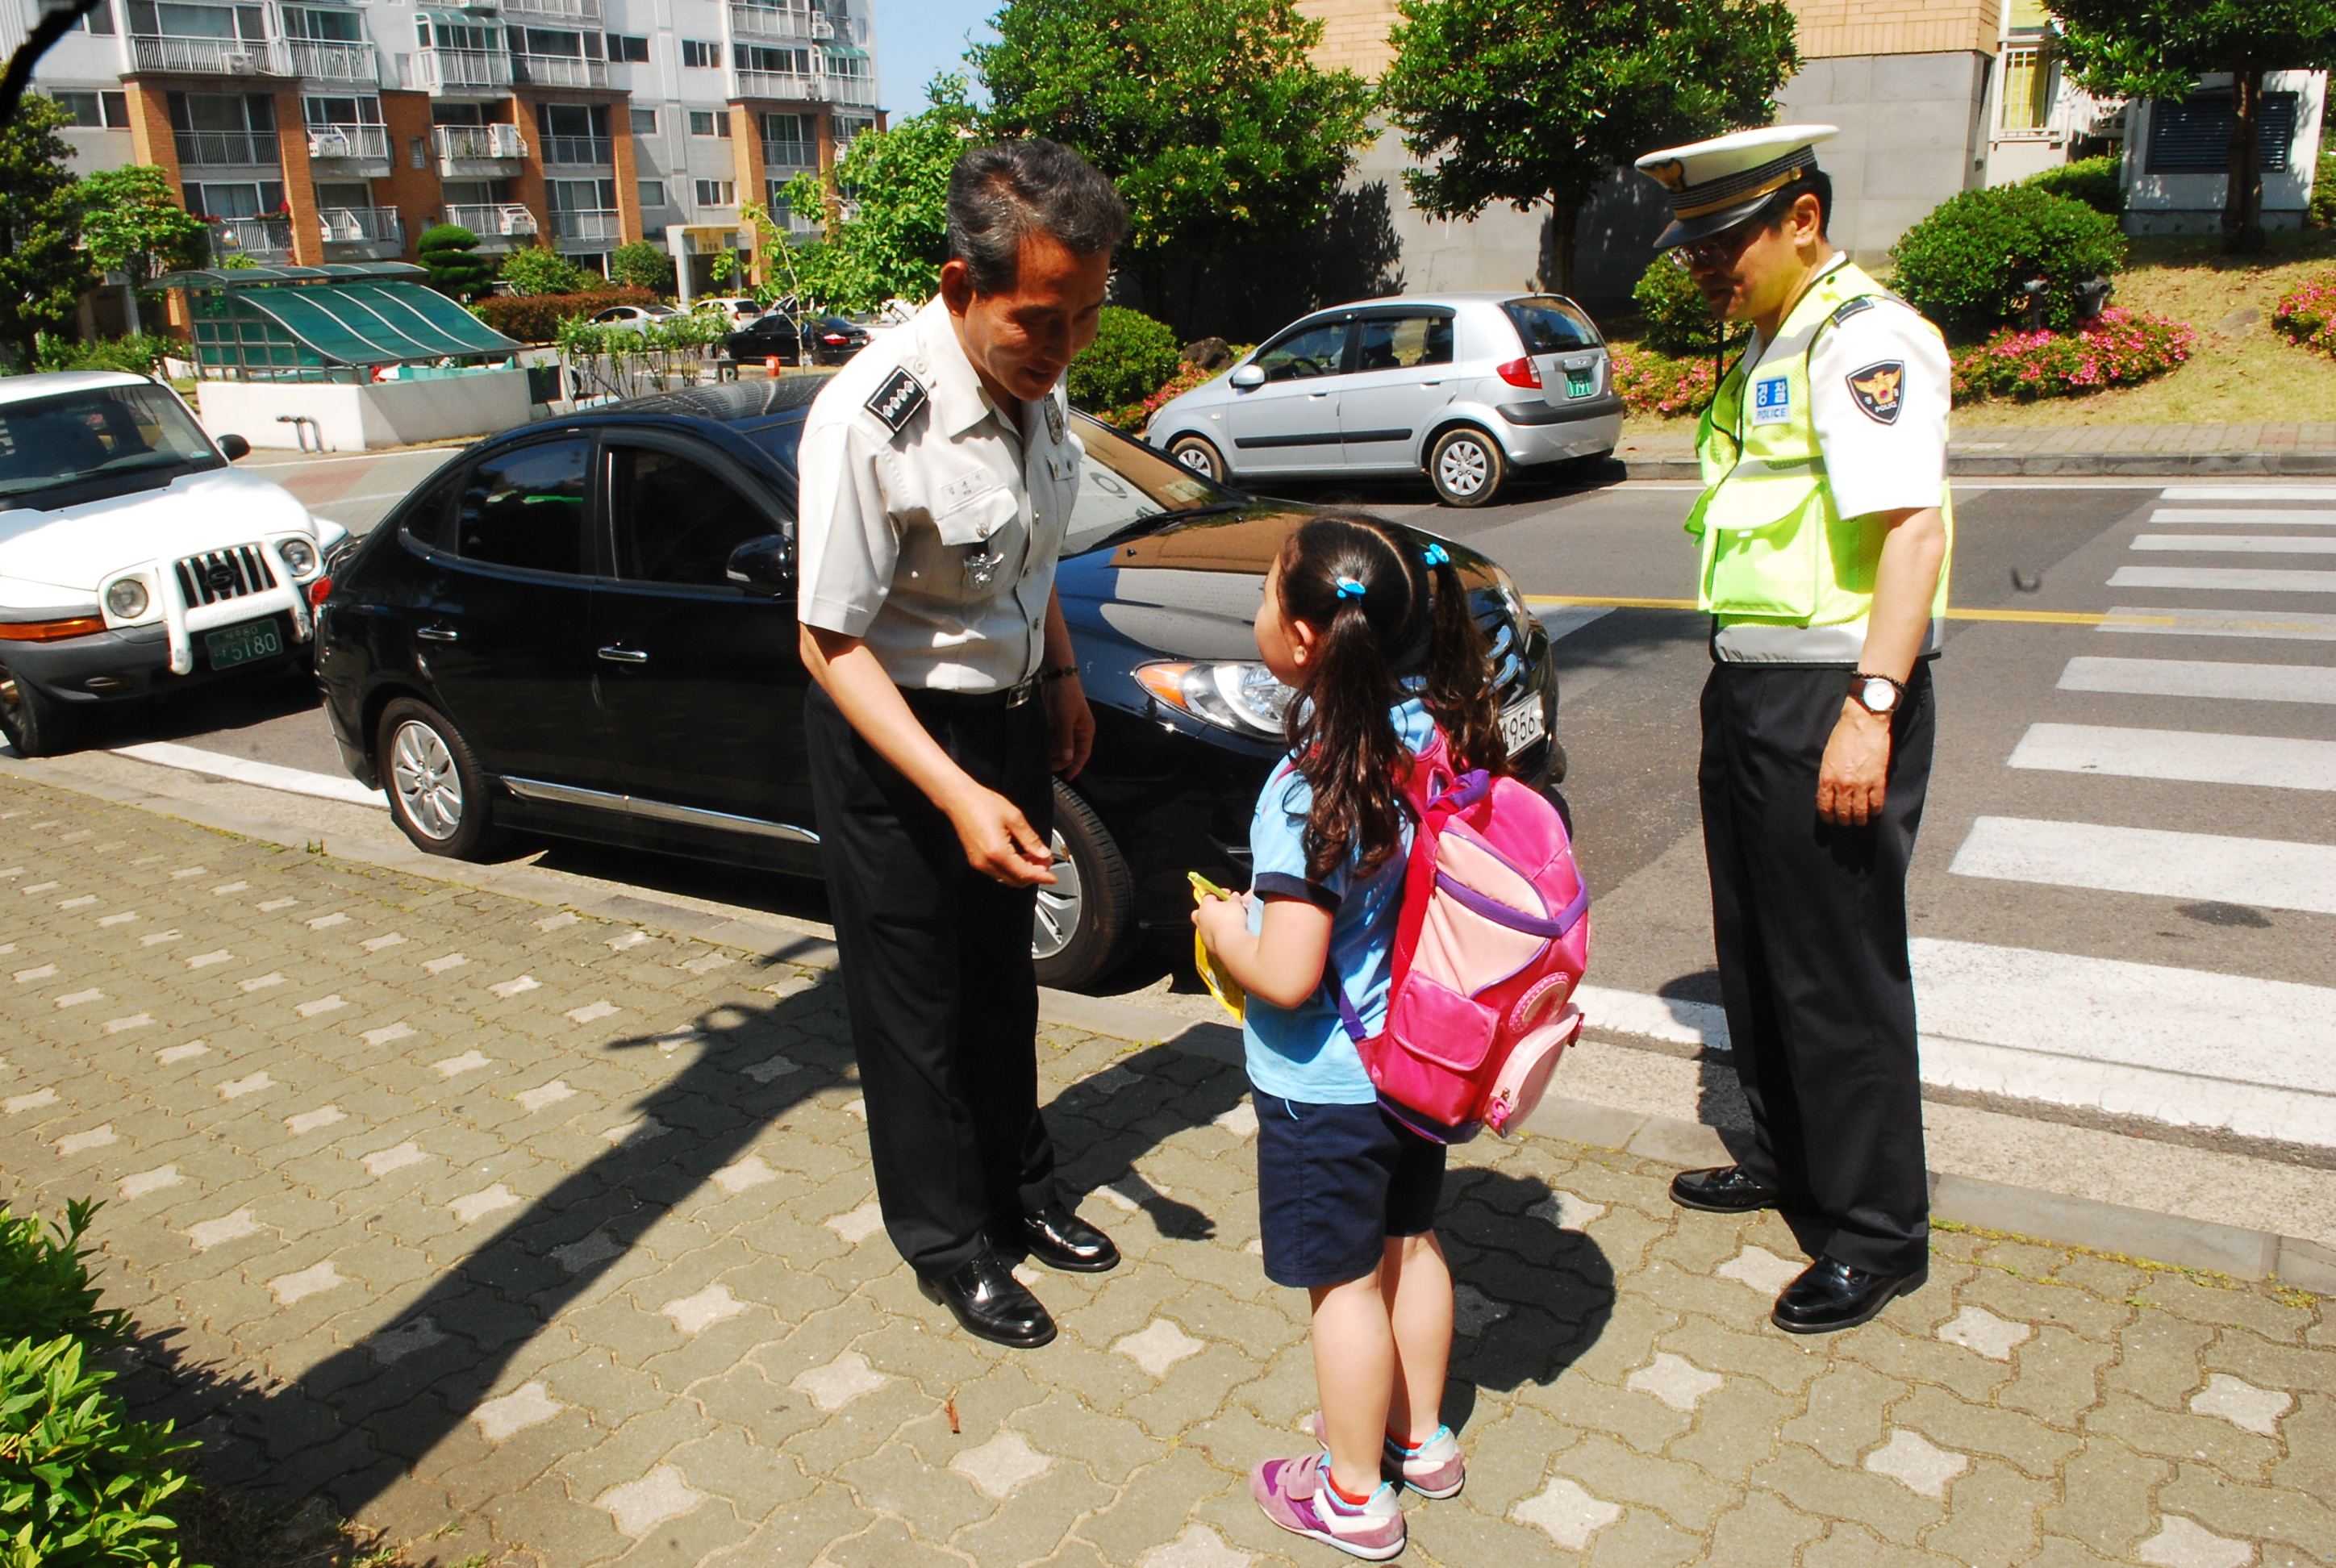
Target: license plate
[(1521, 725), (234, 644), (1578, 383)]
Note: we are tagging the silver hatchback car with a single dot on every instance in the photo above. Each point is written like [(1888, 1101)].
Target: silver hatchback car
[(1466, 387)]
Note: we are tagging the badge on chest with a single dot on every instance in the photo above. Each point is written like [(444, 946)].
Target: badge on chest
[(1772, 400), (1054, 421)]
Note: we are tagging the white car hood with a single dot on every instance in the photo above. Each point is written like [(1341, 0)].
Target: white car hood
[(46, 553)]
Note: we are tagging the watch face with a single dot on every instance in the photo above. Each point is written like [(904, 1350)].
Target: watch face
[(1877, 696)]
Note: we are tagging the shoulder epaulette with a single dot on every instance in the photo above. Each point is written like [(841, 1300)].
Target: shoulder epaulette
[(1849, 307), (897, 401)]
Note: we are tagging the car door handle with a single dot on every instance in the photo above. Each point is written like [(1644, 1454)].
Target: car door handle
[(438, 634), (624, 655)]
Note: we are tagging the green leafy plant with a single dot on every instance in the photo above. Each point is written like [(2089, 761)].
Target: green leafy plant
[(2308, 314), (1131, 356), (2098, 182), (638, 264), (1678, 320), (614, 361), (2118, 348), (1135, 417), (139, 353), (1963, 264), (1649, 381), (43, 270), (44, 1285), (450, 253), (2323, 191), (234, 261), (537, 269), (132, 223), (536, 319)]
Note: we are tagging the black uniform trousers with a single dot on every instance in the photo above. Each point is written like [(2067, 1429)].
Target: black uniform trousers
[(937, 972), (1810, 924)]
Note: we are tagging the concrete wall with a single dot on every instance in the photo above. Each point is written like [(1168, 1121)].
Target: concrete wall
[(1911, 137), (2192, 203), (359, 418)]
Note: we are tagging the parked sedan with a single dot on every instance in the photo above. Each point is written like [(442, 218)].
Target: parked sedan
[(133, 560), (1466, 387), (634, 317), (586, 628), (833, 340), (738, 309)]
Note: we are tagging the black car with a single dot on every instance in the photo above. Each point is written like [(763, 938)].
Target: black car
[(586, 628), (833, 340)]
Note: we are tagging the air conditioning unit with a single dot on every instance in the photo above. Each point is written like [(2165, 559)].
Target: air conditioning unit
[(503, 141), (516, 221), (248, 64), (329, 144)]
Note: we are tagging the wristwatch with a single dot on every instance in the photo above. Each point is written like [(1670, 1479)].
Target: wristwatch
[(1876, 694)]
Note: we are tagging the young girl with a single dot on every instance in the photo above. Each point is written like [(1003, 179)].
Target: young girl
[(1356, 612)]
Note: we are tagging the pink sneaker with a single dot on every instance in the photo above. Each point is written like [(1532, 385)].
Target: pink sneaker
[(1296, 1495), (1435, 1469)]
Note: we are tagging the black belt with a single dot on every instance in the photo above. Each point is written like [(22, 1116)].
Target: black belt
[(1010, 696)]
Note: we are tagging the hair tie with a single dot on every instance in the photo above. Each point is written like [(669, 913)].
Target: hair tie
[(1435, 555), (1350, 588)]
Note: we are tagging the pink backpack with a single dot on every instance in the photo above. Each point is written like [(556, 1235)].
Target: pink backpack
[(1494, 936)]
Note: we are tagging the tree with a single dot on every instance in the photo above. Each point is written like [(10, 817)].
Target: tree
[(641, 264), (1209, 115), (885, 205), (450, 253), (42, 271), (2160, 49), (1534, 100), (131, 224), (539, 269)]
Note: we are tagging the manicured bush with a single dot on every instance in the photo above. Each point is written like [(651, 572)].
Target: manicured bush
[(1963, 264), (1651, 383), (2323, 191), (140, 355), (2308, 314), (641, 264), (2118, 348), (2095, 182), (1678, 323), (450, 253), (536, 270), (1131, 356), (535, 317)]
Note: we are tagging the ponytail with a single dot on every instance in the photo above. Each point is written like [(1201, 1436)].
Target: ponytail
[(1460, 694)]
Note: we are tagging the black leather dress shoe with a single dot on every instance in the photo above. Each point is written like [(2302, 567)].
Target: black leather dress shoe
[(1722, 1189), (1061, 1239), (992, 1302), (1831, 1295)]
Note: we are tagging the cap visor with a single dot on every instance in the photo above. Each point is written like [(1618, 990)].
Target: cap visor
[(1687, 230)]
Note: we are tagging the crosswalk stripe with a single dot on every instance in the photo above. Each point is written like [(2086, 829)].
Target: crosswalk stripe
[(2287, 624), (2240, 543), (2207, 867), (2174, 754), (2224, 579), (2260, 494), (2202, 677), (2168, 515)]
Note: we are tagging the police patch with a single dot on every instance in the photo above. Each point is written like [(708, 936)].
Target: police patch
[(896, 400), (1877, 390)]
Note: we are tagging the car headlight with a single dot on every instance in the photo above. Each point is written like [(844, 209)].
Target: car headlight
[(1234, 695), (298, 554), (126, 598)]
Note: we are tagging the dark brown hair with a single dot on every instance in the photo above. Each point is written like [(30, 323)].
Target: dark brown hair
[(1403, 614)]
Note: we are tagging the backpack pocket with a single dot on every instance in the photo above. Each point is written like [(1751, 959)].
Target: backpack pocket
[(1524, 1077), (1435, 1041)]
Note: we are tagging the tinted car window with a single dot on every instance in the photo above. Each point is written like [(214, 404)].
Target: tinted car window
[(526, 508), (1401, 342), (1317, 351), (425, 522), (677, 521), (1552, 325)]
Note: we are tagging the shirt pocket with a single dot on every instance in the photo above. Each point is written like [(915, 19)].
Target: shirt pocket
[(981, 517)]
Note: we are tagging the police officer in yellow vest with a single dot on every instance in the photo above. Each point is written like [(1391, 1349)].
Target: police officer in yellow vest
[(1824, 531)]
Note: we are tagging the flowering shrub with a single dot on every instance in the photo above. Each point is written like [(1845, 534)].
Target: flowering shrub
[(1135, 416), (2118, 348), (2309, 314), (1656, 383)]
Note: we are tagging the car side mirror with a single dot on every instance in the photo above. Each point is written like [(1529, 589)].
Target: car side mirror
[(766, 564), (1246, 376), (234, 448)]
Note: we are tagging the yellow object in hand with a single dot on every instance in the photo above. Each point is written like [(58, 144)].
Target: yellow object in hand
[(1220, 984)]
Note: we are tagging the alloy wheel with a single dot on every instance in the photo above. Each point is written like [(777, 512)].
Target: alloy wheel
[(1060, 908), (422, 771), (1462, 468)]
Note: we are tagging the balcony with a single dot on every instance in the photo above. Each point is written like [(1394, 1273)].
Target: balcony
[(477, 152), (466, 71), (321, 60), (357, 151), (210, 56), (559, 70), (367, 233), (591, 225), (784, 87), (500, 225), (571, 10), (595, 152), (854, 90), (784, 160), (778, 22), (211, 149), (263, 240)]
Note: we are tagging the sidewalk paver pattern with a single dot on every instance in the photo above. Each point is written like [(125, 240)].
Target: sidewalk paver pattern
[(591, 1265)]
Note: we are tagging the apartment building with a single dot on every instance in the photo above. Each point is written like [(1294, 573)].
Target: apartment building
[(317, 131)]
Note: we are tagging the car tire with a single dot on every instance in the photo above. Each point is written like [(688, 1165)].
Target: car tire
[(1466, 466), (36, 722), (1200, 454), (437, 792), (1084, 924)]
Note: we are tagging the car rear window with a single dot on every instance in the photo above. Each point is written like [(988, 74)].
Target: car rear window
[(1552, 325)]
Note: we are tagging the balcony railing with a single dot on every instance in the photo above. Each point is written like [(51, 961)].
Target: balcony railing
[(586, 150), (323, 61), (478, 143), (579, 10), (857, 90), (210, 56), (779, 22), (261, 238), (782, 159), (363, 226), (356, 143), (559, 70), (215, 147), (592, 223), (505, 219), (786, 86), (439, 70)]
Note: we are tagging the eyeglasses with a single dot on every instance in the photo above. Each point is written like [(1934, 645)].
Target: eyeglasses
[(1720, 249)]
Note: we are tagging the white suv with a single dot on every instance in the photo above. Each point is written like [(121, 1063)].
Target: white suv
[(133, 560), (1466, 387)]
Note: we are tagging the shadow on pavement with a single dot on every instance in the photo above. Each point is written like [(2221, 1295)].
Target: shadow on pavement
[(1536, 1297)]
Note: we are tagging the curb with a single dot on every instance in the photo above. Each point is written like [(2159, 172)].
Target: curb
[(2235, 1251), (2075, 465)]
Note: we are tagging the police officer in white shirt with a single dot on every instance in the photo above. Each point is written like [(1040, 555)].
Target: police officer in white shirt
[(938, 471), (1823, 538)]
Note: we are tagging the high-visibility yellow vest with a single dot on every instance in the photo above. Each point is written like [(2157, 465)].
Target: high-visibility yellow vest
[(1775, 549)]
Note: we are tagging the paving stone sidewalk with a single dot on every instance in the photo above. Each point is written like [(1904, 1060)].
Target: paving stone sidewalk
[(442, 1206)]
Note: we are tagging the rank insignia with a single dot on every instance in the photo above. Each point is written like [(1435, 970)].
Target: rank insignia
[(1054, 420), (1876, 390), (896, 400)]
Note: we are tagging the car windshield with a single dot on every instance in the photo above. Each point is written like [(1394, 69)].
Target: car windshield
[(96, 433), (1123, 481), (1552, 325)]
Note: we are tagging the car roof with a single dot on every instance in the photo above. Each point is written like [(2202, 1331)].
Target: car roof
[(724, 401), (20, 389)]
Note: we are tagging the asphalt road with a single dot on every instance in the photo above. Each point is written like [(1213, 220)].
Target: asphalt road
[(2124, 893)]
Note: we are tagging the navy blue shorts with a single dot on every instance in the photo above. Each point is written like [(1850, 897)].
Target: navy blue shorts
[(1333, 1183)]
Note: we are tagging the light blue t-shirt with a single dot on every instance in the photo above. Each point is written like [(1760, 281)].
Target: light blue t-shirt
[(1304, 1053)]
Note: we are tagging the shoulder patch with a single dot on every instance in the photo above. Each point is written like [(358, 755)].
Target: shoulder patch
[(1849, 307), (898, 400), (1878, 390)]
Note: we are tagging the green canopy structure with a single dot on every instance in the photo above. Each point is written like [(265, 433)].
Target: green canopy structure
[(330, 322)]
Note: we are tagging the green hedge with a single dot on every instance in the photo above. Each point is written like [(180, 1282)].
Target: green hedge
[(1131, 355), (2095, 182), (1963, 264), (1679, 322), (535, 317)]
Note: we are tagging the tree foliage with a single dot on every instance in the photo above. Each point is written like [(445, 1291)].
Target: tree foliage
[(1964, 264), (1209, 115), (1534, 100), (537, 268), (42, 270), (131, 222), (642, 264), (450, 253), (1131, 356)]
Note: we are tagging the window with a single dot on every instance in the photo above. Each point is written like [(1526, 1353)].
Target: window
[(550, 43), (341, 110), (2026, 88), (239, 199), (526, 509), (1314, 351), (581, 195), (344, 193), (644, 121), (1551, 326), (779, 62), (417, 151), (629, 50), (852, 67), (107, 111), (709, 122), (426, 520), (718, 193), (331, 27), (848, 126), (572, 120), (158, 17), (100, 20), (651, 192), (1401, 342), (2193, 137), (676, 521), (455, 36), (705, 55)]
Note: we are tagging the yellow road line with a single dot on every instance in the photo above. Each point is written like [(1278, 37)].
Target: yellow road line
[(1611, 603), (2033, 617)]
